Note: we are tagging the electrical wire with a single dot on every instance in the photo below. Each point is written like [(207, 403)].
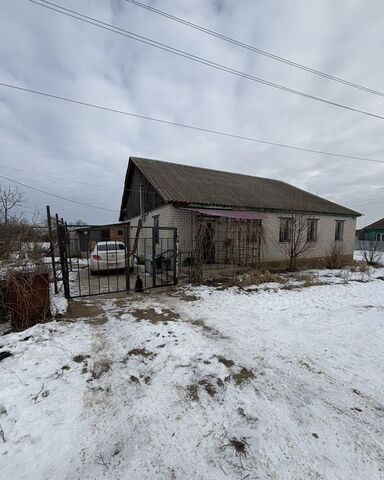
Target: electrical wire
[(190, 127), (56, 196), (53, 177), (192, 57), (254, 49)]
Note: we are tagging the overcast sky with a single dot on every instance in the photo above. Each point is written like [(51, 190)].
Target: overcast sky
[(87, 150)]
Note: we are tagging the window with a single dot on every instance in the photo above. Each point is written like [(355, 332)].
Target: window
[(285, 229), (110, 247), (380, 237), (312, 230), (339, 230), (156, 232)]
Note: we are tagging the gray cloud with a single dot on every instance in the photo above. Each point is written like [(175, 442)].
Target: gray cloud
[(49, 52)]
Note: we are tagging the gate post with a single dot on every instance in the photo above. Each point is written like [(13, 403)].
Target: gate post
[(127, 259), (153, 257), (63, 257), (176, 257), (52, 248)]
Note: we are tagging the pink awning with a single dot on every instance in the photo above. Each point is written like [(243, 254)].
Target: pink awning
[(239, 214)]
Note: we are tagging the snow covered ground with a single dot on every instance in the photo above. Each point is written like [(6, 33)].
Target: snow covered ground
[(269, 382)]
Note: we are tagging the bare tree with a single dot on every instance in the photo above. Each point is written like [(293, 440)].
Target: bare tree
[(335, 255), (10, 199), (298, 233), (372, 250)]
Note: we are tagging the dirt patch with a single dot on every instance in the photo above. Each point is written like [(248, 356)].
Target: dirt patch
[(100, 320), (141, 352), (80, 358), (207, 329), (185, 297), (151, 315), (243, 376), (100, 368), (81, 309), (225, 361)]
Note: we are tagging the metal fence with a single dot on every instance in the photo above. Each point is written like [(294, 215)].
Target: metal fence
[(369, 244), (116, 258), (220, 245)]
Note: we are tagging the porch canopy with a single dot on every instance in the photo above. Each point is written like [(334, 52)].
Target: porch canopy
[(238, 214)]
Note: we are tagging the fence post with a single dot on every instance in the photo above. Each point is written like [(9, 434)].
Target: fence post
[(52, 248), (68, 245)]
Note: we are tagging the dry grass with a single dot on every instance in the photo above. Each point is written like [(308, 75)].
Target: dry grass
[(80, 358), (225, 361), (243, 376), (141, 352)]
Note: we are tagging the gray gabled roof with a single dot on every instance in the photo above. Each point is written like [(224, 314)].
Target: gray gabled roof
[(183, 184)]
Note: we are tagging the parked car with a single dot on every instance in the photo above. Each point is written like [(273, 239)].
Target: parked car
[(109, 256)]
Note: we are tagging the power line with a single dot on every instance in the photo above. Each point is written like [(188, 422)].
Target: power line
[(253, 49), (53, 177), (194, 58), (72, 180), (190, 127), (56, 196), (365, 192), (363, 204)]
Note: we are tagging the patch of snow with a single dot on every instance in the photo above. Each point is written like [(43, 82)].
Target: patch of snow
[(295, 376)]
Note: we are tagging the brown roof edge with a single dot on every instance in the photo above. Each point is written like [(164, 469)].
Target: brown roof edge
[(378, 225)]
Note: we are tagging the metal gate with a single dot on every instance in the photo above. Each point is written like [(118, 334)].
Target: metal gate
[(115, 258)]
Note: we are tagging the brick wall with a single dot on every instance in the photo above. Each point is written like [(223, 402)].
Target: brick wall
[(272, 250)]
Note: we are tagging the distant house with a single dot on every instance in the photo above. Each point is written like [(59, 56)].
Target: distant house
[(374, 231), (84, 238), (237, 218)]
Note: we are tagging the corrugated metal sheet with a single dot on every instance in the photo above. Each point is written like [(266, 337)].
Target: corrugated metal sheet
[(183, 184)]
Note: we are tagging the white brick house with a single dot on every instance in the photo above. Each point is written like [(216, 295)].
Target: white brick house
[(185, 197)]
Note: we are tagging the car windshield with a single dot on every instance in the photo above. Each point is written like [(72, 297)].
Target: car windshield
[(110, 247)]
